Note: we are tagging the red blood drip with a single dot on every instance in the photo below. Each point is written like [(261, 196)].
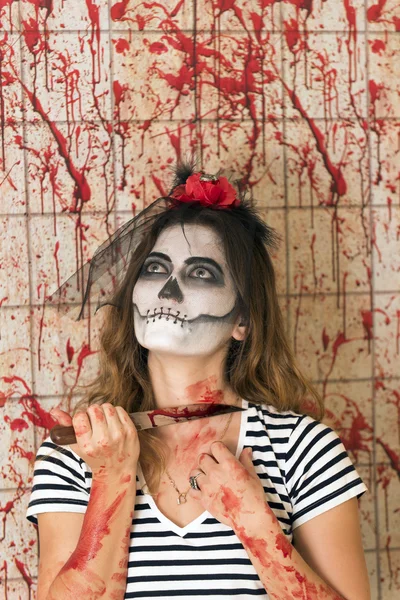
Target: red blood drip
[(159, 185), (14, 378), (398, 333), (85, 351), (118, 10), (55, 254), (339, 185), (22, 569), (378, 46), (158, 48), (23, 453), (119, 91), (3, 398), (121, 45), (36, 414), (350, 14), (392, 455), (292, 34), (325, 339), (70, 351), (374, 12), (17, 424)]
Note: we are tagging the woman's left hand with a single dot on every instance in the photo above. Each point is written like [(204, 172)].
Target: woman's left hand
[(230, 489)]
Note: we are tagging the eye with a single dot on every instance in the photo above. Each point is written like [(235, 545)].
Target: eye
[(201, 273), (154, 267)]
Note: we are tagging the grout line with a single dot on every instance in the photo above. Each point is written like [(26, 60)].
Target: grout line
[(136, 32), (28, 239), (261, 208), (285, 179), (128, 212), (198, 153), (371, 233), (349, 294), (27, 221), (268, 119), (113, 141)]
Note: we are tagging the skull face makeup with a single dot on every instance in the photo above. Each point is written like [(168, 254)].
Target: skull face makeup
[(185, 299)]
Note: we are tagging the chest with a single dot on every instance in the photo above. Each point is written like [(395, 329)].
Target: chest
[(175, 484), (181, 514)]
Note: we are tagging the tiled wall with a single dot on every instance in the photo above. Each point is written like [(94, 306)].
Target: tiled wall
[(302, 97)]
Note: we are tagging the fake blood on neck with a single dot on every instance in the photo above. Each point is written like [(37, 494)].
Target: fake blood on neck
[(178, 412), (202, 391)]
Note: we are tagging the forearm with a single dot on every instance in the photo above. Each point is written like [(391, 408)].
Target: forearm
[(98, 566), (281, 569)]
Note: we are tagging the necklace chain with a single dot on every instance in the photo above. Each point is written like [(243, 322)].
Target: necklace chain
[(182, 495)]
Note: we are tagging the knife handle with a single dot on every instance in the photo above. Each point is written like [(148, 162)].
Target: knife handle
[(63, 436)]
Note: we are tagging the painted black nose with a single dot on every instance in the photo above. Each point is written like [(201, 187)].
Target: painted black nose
[(171, 291)]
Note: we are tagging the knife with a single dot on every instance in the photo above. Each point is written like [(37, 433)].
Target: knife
[(159, 417)]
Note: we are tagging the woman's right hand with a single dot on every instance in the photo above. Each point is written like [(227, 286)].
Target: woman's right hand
[(107, 439)]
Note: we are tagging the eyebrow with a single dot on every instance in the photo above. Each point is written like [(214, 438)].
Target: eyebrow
[(188, 261)]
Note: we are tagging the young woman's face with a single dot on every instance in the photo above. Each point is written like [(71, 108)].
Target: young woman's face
[(184, 299)]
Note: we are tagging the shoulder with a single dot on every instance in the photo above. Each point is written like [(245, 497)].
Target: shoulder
[(294, 436), (274, 420), (51, 456), (60, 481)]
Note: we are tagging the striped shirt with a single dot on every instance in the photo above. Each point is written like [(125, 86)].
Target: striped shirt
[(303, 466)]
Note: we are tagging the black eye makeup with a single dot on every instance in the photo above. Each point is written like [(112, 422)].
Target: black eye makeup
[(201, 273), (197, 268), (206, 269), (156, 263), (204, 273), (154, 267)]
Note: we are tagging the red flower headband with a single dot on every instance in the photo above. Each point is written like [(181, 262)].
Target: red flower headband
[(208, 190)]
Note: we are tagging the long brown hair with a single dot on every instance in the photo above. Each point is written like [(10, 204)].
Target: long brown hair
[(261, 369)]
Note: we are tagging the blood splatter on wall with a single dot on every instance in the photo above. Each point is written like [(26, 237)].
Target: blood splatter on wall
[(301, 98)]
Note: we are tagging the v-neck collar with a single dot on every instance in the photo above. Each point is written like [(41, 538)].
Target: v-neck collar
[(171, 526)]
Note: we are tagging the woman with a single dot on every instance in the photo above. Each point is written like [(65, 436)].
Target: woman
[(196, 319)]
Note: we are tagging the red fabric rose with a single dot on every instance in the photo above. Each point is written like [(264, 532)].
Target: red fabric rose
[(215, 194)]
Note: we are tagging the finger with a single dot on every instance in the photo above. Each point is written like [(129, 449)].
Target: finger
[(200, 477), (220, 452), (246, 459), (115, 427), (62, 417), (82, 428), (125, 419), (206, 462), (97, 421), (246, 454)]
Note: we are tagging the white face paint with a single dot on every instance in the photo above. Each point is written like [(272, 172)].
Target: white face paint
[(184, 300)]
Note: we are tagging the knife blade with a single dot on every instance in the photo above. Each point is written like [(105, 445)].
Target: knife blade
[(159, 417)]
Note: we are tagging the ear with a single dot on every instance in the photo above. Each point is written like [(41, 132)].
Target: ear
[(240, 330)]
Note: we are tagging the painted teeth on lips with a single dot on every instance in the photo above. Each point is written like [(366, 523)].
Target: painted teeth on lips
[(167, 315)]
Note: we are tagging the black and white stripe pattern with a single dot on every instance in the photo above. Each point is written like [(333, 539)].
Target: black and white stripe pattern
[(304, 469)]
